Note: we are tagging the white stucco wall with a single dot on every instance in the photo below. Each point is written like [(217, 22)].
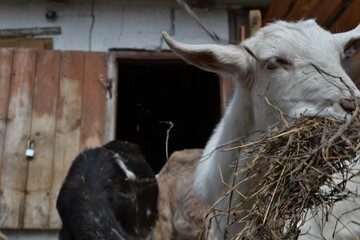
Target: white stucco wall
[(116, 24)]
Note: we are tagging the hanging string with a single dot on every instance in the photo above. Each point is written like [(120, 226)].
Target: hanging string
[(211, 33)]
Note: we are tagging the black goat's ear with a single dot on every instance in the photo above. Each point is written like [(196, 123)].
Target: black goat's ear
[(228, 59)]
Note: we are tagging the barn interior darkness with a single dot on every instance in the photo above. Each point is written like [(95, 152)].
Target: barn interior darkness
[(153, 94)]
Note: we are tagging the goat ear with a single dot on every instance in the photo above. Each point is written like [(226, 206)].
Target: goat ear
[(228, 59), (345, 37)]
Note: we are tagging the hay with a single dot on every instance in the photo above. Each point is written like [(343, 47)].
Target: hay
[(292, 170)]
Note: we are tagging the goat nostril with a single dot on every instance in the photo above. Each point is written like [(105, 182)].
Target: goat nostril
[(348, 105)]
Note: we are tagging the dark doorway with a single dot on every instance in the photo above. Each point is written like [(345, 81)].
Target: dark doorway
[(152, 94)]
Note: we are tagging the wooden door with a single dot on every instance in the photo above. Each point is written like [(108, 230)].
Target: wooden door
[(57, 100)]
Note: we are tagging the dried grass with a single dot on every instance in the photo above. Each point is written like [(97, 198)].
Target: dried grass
[(292, 170)]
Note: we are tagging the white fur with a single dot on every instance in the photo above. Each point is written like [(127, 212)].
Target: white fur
[(129, 174), (297, 88)]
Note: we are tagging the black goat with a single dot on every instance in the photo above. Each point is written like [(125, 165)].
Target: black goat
[(110, 193)]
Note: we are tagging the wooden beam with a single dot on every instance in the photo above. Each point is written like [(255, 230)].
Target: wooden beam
[(29, 32), (34, 43), (349, 19), (278, 10), (302, 9), (150, 55), (327, 11)]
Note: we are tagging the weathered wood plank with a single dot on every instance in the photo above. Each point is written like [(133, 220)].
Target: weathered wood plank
[(6, 59), (14, 170), (38, 187), (349, 19), (94, 97), (11, 207), (68, 126), (278, 10)]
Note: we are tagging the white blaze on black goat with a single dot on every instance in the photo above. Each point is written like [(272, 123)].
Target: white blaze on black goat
[(110, 193)]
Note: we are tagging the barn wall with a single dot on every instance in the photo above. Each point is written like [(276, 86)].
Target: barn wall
[(58, 100), (102, 24), (95, 26)]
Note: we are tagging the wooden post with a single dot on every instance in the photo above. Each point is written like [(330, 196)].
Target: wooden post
[(255, 21), (242, 33)]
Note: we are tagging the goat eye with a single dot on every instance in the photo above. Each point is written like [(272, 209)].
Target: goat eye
[(275, 62), (348, 53), (283, 61), (271, 66)]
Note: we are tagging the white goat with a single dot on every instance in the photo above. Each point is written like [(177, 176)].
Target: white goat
[(295, 67)]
